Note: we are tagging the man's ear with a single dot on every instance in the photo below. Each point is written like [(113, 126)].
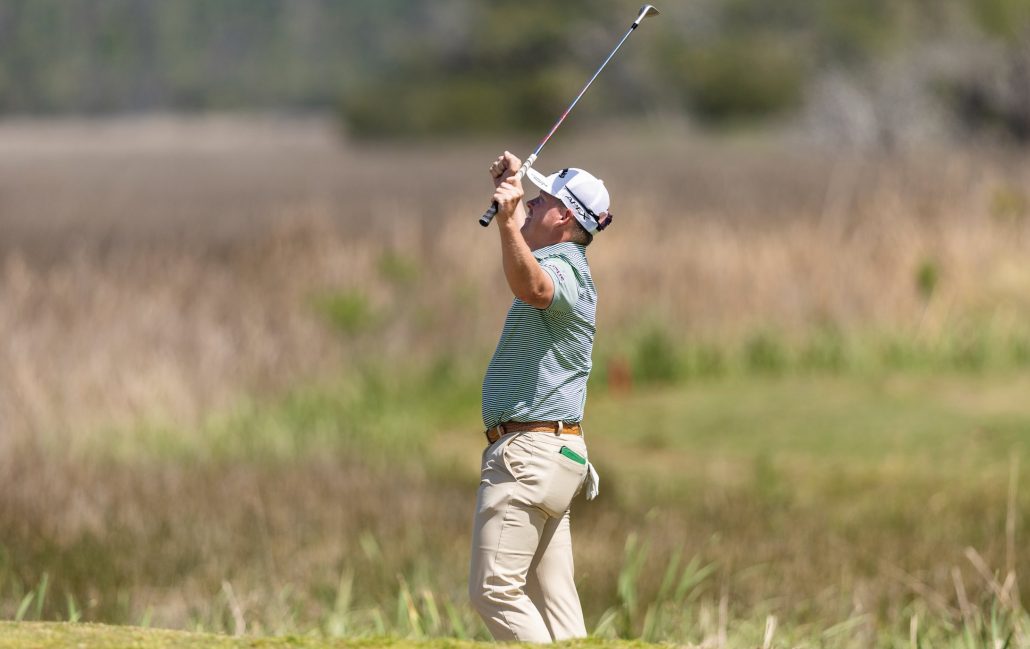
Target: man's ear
[(567, 215)]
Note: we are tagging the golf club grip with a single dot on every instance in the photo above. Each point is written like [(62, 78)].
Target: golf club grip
[(488, 215), (492, 212)]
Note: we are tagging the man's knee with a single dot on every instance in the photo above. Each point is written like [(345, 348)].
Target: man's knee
[(483, 597), (488, 593)]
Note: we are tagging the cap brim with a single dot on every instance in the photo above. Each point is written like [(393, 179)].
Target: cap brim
[(540, 180)]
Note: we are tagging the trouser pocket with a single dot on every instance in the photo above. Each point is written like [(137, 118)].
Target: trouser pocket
[(549, 477)]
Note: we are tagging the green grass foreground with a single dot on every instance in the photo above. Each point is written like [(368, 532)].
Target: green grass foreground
[(52, 635), (40, 635)]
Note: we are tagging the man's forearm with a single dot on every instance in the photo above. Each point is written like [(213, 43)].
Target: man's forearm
[(527, 279)]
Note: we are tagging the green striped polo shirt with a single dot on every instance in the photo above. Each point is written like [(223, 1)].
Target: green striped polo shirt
[(540, 368)]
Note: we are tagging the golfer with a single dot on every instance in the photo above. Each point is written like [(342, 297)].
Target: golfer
[(521, 576)]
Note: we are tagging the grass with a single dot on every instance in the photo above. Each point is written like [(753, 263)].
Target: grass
[(860, 420), (998, 628), (812, 499), (287, 261), (47, 635), (809, 418)]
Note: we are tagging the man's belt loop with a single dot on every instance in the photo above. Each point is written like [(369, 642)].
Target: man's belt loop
[(561, 425)]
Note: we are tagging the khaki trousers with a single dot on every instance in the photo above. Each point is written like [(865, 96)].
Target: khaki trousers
[(521, 574)]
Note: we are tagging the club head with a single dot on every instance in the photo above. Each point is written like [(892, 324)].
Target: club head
[(645, 11)]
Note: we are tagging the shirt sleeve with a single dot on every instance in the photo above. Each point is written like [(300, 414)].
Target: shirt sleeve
[(566, 284)]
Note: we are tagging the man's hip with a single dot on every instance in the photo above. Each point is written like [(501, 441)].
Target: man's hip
[(546, 470)]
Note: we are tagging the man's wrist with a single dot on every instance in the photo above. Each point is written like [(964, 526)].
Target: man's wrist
[(510, 224)]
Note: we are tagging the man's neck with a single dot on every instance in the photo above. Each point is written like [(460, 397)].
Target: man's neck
[(565, 237)]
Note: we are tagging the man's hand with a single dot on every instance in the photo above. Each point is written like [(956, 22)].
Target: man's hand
[(508, 196), (503, 167)]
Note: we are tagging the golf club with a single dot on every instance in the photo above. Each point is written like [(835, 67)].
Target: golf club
[(645, 11)]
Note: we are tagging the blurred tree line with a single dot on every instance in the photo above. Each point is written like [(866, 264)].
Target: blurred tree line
[(415, 67)]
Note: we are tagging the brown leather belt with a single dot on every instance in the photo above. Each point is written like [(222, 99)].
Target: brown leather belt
[(556, 427)]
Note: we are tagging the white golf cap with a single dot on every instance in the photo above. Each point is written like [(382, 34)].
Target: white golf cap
[(581, 192)]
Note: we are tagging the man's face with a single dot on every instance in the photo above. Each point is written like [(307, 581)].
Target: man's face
[(543, 225)]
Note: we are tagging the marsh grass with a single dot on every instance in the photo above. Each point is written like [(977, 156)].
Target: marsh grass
[(660, 358), (239, 388), (719, 528), (291, 255)]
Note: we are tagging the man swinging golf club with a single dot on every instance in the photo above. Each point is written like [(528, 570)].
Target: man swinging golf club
[(521, 577), (521, 574)]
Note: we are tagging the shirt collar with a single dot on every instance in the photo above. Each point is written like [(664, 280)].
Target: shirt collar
[(563, 248)]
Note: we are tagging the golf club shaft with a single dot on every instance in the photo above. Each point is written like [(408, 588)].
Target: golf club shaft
[(492, 211)]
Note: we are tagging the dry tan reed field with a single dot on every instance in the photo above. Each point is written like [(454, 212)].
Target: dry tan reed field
[(216, 332), (159, 267)]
